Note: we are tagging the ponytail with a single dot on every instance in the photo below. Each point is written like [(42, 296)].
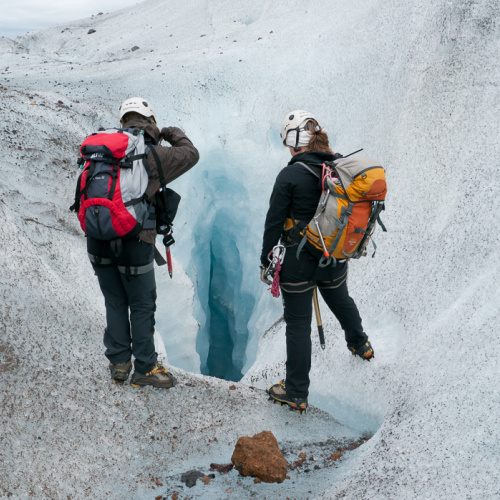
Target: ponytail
[(319, 139)]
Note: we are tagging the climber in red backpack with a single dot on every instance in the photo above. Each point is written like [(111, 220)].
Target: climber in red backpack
[(123, 169)]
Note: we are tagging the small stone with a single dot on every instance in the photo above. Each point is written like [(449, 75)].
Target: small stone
[(89, 32), (189, 478), (134, 48), (222, 468)]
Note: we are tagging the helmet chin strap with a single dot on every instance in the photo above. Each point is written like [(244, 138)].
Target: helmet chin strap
[(296, 147), (297, 131)]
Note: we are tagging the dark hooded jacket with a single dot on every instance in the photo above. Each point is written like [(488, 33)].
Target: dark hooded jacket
[(174, 161), (296, 195)]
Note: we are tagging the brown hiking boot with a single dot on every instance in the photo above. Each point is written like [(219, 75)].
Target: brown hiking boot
[(157, 377), (277, 393), (120, 371)]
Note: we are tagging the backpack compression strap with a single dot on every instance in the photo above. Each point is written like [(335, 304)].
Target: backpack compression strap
[(128, 162), (76, 205), (340, 223)]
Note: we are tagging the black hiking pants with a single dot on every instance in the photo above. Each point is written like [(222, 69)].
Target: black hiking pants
[(298, 279), (128, 285)]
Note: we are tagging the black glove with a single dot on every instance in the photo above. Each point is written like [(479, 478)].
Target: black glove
[(170, 134)]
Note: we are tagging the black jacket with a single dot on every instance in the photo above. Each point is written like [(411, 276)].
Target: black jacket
[(296, 191)]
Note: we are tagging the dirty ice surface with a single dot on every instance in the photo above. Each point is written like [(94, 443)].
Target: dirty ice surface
[(417, 87)]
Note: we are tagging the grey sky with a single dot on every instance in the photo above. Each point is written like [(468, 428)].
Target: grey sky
[(19, 16)]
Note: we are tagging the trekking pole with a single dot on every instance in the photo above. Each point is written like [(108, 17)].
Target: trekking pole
[(318, 318)]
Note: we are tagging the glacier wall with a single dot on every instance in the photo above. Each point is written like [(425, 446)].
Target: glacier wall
[(224, 306)]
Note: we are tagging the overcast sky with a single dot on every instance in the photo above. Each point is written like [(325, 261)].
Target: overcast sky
[(19, 16)]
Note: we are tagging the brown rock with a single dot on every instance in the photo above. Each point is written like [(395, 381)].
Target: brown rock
[(260, 456), (222, 468)]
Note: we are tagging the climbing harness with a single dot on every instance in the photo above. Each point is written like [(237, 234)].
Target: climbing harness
[(273, 269)]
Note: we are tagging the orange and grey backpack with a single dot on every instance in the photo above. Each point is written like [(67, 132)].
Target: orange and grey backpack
[(353, 195)]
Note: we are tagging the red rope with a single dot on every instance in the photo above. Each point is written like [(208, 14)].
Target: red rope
[(275, 287)]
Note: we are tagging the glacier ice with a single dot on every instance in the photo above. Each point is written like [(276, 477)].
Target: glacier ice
[(416, 86)]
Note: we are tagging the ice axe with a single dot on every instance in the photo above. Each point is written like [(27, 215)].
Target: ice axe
[(169, 262), (168, 240), (318, 318)]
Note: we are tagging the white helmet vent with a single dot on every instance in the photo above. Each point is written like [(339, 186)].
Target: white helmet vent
[(137, 105)]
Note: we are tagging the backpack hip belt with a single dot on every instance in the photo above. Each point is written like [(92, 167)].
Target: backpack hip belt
[(127, 270)]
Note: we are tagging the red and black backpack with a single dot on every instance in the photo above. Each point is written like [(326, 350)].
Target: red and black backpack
[(111, 191)]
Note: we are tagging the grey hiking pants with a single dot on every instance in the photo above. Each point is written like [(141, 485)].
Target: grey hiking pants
[(128, 285)]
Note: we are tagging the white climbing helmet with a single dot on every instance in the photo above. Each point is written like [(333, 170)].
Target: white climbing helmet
[(137, 105), (294, 122)]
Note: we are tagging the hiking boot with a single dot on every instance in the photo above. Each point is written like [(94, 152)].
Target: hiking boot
[(157, 377), (277, 393), (365, 351), (120, 371)]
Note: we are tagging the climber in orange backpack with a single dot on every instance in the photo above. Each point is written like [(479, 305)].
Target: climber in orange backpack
[(311, 259)]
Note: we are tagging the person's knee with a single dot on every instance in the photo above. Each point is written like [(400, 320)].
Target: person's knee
[(297, 317)]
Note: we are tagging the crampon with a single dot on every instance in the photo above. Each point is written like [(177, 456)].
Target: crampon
[(365, 351)]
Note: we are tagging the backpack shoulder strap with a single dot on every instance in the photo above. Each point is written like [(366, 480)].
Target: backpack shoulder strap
[(76, 205), (308, 168), (152, 150)]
